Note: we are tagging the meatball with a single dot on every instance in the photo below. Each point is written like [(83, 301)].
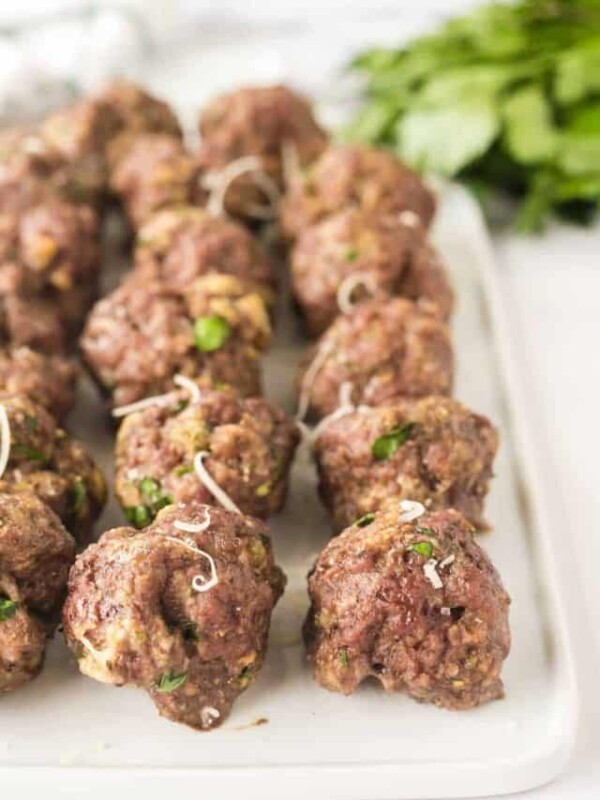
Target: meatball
[(354, 254), (48, 380), (433, 450), (31, 171), (46, 461), (385, 350), (139, 336), (81, 133), (178, 245), (182, 611), (36, 553), (249, 447), (154, 172), (262, 122), (417, 605), (353, 175), (51, 252), (31, 321)]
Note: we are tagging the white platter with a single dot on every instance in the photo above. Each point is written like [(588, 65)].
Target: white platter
[(66, 735)]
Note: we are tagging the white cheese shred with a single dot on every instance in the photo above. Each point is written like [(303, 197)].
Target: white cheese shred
[(213, 487), (410, 510), (5, 440), (409, 218), (309, 378), (208, 715), (160, 399), (447, 561), (199, 582), (431, 573), (219, 181), (190, 386), (347, 287), (194, 527), (344, 408)]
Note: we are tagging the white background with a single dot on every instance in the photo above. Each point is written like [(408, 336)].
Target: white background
[(551, 284)]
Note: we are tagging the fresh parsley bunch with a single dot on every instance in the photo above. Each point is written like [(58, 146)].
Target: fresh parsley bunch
[(506, 99)]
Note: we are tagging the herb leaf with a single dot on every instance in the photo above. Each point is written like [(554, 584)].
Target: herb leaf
[(422, 548), (365, 520), (386, 445), (170, 681), (211, 333), (8, 608), (343, 657), (489, 98)]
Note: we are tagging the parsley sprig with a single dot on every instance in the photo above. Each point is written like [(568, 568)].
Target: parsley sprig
[(506, 99)]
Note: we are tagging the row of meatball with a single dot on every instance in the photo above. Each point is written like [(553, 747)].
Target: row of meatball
[(52, 196), (182, 609)]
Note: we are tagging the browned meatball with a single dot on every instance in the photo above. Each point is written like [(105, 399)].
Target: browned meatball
[(356, 254), (51, 252), (31, 171), (270, 123), (184, 615), (36, 553), (138, 337), (44, 460), (178, 245), (417, 605), (353, 175), (154, 172), (32, 321), (432, 450), (48, 380), (249, 447), (81, 133), (385, 350), (138, 110)]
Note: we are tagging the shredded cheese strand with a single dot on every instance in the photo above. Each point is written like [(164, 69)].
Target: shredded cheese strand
[(347, 287), (344, 408), (309, 378), (5, 440), (190, 386), (446, 561), (410, 510), (218, 183), (180, 381), (431, 573), (193, 527), (409, 218), (213, 487), (199, 582)]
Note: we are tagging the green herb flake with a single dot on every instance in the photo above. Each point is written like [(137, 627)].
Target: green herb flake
[(79, 496), (264, 489), (424, 531), (422, 548), (184, 469), (211, 333), (29, 453), (343, 657), (351, 254), (138, 516), (170, 681), (365, 520), (386, 445), (31, 423), (8, 608)]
